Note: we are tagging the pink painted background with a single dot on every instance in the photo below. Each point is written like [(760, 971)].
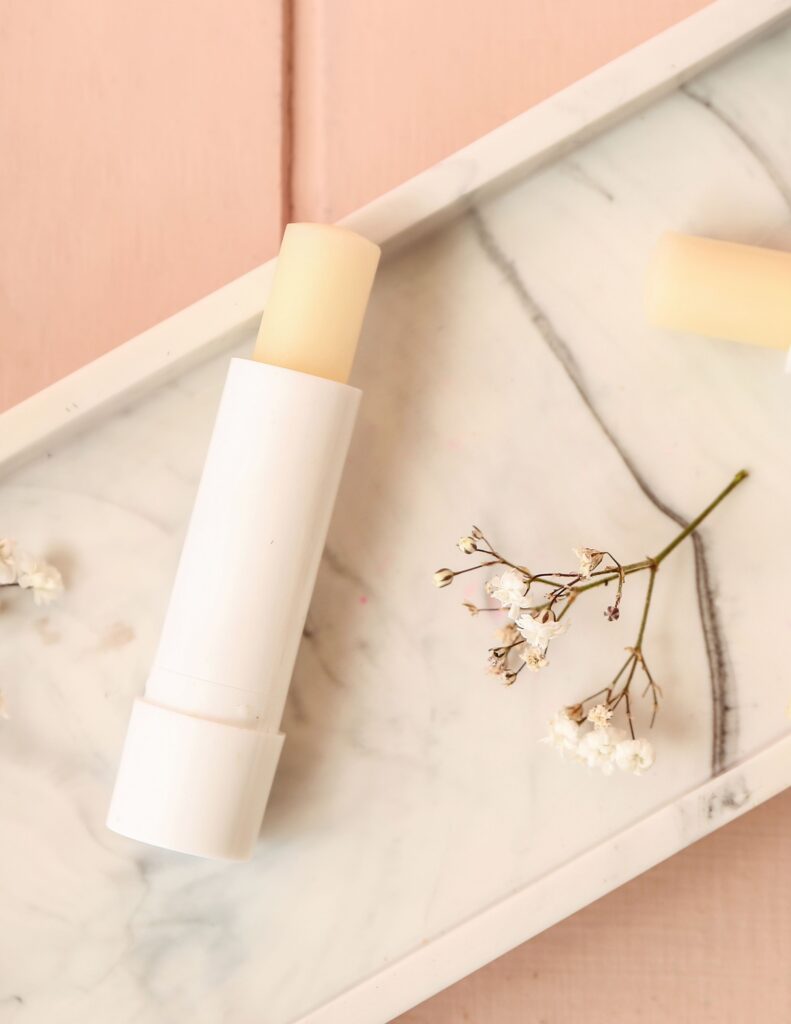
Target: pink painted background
[(153, 150)]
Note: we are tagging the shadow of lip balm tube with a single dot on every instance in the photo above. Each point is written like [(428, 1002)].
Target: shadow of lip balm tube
[(204, 741), (721, 290)]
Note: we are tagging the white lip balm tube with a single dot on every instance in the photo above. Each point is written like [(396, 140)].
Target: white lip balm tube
[(204, 741)]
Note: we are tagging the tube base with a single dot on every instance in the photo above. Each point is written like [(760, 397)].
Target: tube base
[(192, 784)]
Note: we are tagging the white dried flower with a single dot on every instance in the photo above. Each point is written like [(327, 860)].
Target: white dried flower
[(597, 748), (599, 716), (534, 659), (3, 706), (510, 589), (467, 545), (590, 559), (8, 568), (538, 628), (635, 756), (563, 733), (42, 578), (442, 577)]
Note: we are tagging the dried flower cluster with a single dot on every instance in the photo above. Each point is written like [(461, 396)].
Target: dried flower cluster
[(536, 605), (19, 569)]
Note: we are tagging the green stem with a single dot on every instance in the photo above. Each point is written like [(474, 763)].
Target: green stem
[(741, 475), (648, 595), (647, 563)]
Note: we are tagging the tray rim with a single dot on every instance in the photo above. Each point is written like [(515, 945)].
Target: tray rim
[(216, 322)]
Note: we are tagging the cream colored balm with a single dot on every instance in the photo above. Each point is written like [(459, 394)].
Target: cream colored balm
[(721, 290), (313, 318), (204, 740)]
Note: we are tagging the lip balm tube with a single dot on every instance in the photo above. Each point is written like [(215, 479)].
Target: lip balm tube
[(721, 290), (204, 741)]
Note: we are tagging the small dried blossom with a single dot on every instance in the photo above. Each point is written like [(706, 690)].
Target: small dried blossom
[(42, 578), (590, 559), (19, 569), (539, 627), (599, 716), (563, 733), (442, 577), (534, 659), (510, 589), (497, 661), (635, 756), (466, 545), (473, 609)]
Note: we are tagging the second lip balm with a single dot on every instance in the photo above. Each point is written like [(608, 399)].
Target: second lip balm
[(204, 741)]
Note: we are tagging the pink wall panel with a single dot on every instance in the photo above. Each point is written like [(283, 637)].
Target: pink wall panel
[(141, 168), (384, 89)]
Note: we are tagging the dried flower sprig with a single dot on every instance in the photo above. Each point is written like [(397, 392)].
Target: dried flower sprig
[(582, 731)]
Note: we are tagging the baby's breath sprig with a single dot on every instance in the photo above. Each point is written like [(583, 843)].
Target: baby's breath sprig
[(584, 731)]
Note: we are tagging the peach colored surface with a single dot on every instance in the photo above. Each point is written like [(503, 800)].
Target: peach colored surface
[(141, 168), (384, 89), (143, 156)]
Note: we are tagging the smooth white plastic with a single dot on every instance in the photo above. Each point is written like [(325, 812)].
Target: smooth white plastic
[(203, 743)]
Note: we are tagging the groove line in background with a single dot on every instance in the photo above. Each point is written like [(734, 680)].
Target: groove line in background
[(287, 64)]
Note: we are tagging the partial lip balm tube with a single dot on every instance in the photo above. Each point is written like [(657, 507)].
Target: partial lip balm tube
[(204, 741), (721, 290)]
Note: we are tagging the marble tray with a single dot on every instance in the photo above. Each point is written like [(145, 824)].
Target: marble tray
[(417, 829)]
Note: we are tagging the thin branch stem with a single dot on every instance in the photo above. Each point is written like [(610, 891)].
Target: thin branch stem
[(695, 523), (648, 595)]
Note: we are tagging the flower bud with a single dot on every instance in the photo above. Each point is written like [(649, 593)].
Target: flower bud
[(467, 545), (442, 577)]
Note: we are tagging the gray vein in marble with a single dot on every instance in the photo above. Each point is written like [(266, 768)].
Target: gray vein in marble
[(752, 147), (724, 721), (729, 798), (580, 174), (323, 662), (334, 562)]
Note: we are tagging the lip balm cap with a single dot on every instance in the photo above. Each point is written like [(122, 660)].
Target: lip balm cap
[(721, 290), (192, 784), (314, 314)]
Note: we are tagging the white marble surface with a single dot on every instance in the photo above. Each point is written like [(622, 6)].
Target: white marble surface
[(509, 380)]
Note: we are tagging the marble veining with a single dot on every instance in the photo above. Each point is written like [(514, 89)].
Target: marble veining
[(509, 380)]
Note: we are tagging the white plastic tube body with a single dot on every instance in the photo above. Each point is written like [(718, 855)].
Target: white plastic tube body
[(203, 743)]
